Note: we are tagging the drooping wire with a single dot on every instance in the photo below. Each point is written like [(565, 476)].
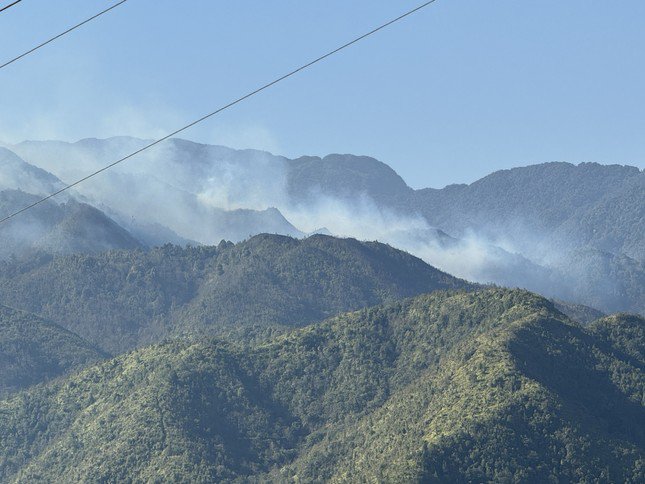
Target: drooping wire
[(56, 37), (6, 7)]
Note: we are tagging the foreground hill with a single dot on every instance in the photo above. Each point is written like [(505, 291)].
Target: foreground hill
[(494, 385), (33, 350), (121, 299)]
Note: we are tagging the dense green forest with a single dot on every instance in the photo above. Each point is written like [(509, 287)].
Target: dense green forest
[(491, 385), (33, 351), (575, 205), (119, 300)]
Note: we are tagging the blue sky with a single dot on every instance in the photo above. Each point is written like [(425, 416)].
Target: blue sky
[(459, 90)]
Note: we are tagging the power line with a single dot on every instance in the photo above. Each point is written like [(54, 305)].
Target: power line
[(219, 110), (71, 29), (6, 7)]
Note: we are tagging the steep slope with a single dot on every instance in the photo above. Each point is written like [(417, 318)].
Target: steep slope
[(71, 227), (119, 300), (611, 282), (201, 192), (33, 351), (598, 205), (494, 385), (346, 177), (16, 173)]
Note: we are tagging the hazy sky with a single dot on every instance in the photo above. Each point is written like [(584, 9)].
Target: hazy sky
[(459, 90)]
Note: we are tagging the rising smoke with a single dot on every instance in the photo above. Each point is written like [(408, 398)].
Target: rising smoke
[(185, 191)]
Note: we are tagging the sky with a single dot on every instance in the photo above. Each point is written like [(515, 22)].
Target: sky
[(457, 91)]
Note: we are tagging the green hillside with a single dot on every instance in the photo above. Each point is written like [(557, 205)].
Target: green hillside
[(119, 300), (586, 204), (452, 386), (33, 351)]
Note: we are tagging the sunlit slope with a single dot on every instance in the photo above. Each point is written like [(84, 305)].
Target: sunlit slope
[(491, 385)]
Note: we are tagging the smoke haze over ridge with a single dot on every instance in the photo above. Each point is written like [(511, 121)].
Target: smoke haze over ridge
[(206, 193)]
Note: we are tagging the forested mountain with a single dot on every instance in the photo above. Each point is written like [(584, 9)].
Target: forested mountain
[(33, 351), (66, 228), (612, 282), (578, 313), (121, 299), (536, 227), (588, 204), (493, 385), (346, 177)]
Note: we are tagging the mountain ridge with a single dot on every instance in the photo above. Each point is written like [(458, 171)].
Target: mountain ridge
[(526, 226), (450, 385), (121, 299)]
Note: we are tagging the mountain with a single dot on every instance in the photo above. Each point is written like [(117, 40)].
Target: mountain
[(573, 232), (33, 351), (586, 204), (494, 385), (624, 333), (15, 173), (577, 312), (65, 228), (200, 192), (121, 299), (612, 282), (524, 227), (615, 223), (57, 228), (346, 177)]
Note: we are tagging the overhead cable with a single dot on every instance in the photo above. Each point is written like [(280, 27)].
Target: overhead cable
[(6, 7), (56, 37), (219, 110)]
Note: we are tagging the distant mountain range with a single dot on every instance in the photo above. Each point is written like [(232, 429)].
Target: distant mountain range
[(487, 386), (571, 232), (600, 206)]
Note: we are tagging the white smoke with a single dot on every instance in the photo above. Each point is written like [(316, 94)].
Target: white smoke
[(207, 193)]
